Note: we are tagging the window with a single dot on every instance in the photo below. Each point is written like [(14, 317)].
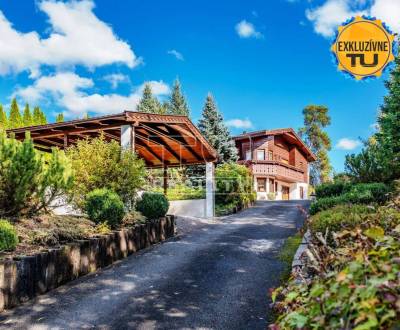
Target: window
[(270, 155), (276, 186), (260, 154), (261, 185), (271, 185), (248, 155)]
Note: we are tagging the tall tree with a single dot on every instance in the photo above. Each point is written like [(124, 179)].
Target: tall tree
[(177, 102), (60, 118), (215, 131), (388, 136), (27, 116), (3, 119), (148, 102), (316, 118), (39, 118), (15, 118)]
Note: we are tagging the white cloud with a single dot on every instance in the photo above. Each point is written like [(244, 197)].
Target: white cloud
[(67, 90), (116, 78), (327, 17), (247, 30), (239, 123), (177, 54), (76, 37), (347, 144)]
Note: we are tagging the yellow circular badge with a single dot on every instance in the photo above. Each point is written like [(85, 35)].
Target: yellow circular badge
[(363, 47)]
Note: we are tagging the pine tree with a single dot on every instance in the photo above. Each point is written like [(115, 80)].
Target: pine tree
[(3, 119), (60, 118), (177, 102), (39, 118), (15, 118), (148, 102), (27, 116), (388, 137), (316, 118), (212, 126)]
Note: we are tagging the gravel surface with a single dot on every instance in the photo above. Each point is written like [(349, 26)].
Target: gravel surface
[(214, 275)]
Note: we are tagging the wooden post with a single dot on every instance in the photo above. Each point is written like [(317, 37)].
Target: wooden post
[(165, 177), (65, 141)]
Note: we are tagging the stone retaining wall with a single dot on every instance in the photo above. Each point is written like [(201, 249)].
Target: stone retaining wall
[(23, 278)]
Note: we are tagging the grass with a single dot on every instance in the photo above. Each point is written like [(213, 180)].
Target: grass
[(182, 192), (287, 253)]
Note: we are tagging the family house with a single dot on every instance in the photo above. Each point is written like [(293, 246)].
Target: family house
[(279, 161)]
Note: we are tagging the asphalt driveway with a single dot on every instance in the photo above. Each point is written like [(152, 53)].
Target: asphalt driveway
[(213, 276)]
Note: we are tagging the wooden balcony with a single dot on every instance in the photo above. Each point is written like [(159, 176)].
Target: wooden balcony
[(275, 169)]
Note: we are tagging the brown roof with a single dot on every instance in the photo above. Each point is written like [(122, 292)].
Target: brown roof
[(288, 133), (159, 139)]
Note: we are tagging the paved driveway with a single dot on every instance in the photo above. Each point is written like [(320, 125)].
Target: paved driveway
[(215, 276)]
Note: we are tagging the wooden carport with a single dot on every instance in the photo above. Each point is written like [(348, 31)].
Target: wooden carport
[(161, 140)]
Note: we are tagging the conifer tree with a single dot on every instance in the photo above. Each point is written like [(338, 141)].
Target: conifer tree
[(27, 116), (15, 118), (60, 118), (39, 118), (3, 119), (177, 102), (148, 102), (215, 131), (316, 118), (388, 137)]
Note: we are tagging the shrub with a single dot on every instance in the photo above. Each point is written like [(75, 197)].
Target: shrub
[(271, 196), (182, 192), (100, 164), (153, 205), (104, 205), (363, 193), (339, 217), (29, 181), (8, 236), (233, 185), (332, 189)]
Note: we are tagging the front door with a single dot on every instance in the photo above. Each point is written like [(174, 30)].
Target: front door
[(285, 193)]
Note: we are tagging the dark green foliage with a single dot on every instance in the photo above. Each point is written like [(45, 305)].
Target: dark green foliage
[(332, 189), (149, 103), (316, 118), (287, 253), (339, 217), (28, 184), (363, 193), (212, 127), (177, 103), (8, 236), (104, 205), (153, 205)]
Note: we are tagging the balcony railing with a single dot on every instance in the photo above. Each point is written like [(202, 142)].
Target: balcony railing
[(276, 169)]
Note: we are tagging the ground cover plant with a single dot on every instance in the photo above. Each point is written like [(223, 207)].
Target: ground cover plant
[(351, 279)]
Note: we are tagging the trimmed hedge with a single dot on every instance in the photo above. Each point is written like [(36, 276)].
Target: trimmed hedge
[(153, 205), (332, 189), (8, 236), (363, 193), (104, 205)]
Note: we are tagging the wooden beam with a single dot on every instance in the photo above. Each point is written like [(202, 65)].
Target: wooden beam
[(148, 149), (182, 142), (165, 177), (165, 146)]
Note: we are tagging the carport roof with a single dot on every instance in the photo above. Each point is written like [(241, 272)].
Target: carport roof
[(158, 139)]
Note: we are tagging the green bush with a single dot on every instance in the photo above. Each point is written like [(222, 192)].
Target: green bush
[(233, 185), (100, 164), (8, 236), (153, 205), (29, 180), (332, 189), (339, 217), (104, 205), (363, 193)]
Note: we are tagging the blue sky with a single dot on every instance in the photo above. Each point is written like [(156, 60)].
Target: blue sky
[(264, 61)]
